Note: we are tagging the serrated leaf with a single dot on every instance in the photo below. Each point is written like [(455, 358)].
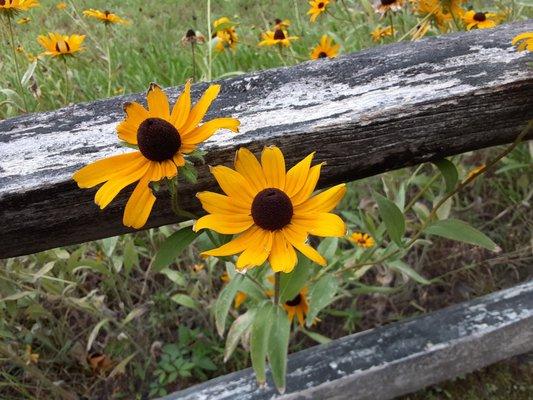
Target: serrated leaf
[(392, 217), (399, 265), (172, 248), (321, 295), (448, 172), (259, 340), (456, 229), (185, 301), (224, 301), (293, 282), (278, 347), (237, 330)]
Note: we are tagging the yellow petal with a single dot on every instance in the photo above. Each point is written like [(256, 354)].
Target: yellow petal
[(205, 131), (297, 175), (139, 205), (101, 170), (157, 102), (322, 202), (309, 186), (179, 160), (181, 109), (248, 166), (257, 250), (282, 256), (200, 109), (169, 169), (273, 165), (135, 115), (224, 223), (298, 242), (233, 183), (215, 203), (320, 224), (235, 246)]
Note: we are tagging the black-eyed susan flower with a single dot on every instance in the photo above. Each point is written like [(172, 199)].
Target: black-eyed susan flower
[(381, 32), (384, 6), (163, 137), (12, 7), (325, 49), (317, 8), (225, 34), (298, 306), (56, 44), (362, 240), (278, 37), (479, 20), (524, 41), (105, 16), (270, 209), (61, 5)]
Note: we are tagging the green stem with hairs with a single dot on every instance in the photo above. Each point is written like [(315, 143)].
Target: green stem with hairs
[(108, 55), (17, 68), (209, 43), (277, 277)]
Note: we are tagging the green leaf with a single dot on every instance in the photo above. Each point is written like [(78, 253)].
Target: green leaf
[(328, 247), (259, 340), (172, 247), (399, 265), (448, 172), (317, 337), (456, 229), (185, 300), (293, 282), (28, 74), (131, 257), (223, 303), (278, 347), (175, 276), (392, 217), (237, 330), (189, 173), (321, 295)]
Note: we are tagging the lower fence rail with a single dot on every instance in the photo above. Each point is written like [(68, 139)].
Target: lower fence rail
[(398, 358)]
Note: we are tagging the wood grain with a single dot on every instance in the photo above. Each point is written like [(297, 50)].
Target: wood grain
[(364, 113)]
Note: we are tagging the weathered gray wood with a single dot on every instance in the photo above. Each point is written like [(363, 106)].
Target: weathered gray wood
[(365, 113), (396, 359)]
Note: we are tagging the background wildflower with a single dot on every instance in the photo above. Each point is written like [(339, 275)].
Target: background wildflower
[(317, 8), (524, 41), (325, 48), (362, 240), (479, 20), (56, 45), (105, 16), (380, 32)]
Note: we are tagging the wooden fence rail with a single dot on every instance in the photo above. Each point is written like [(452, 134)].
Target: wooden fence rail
[(365, 113)]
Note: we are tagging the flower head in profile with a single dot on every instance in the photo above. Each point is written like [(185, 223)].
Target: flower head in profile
[(479, 20), (225, 34), (524, 41), (105, 16), (163, 136), (279, 37), (384, 6), (325, 49), (192, 37), (298, 306), (12, 7), (317, 8), (57, 45), (381, 32), (271, 210), (362, 240)]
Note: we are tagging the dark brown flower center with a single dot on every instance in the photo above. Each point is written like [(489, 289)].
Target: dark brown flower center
[(387, 2), (322, 54), (190, 34), (272, 209), (279, 35), (277, 21), (480, 17), (62, 47), (320, 5), (2, 2), (295, 302), (158, 139)]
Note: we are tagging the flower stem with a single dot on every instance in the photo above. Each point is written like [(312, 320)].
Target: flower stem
[(17, 68), (67, 81), (277, 276), (391, 25), (209, 42), (108, 55), (193, 63)]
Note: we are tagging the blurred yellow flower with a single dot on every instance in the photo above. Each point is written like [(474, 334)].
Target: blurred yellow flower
[(240, 298), (325, 48), (281, 24), (225, 34), (279, 37), (380, 32), (524, 41), (23, 21), (56, 44), (317, 7), (61, 5), (479, 20), (434, 8), (298, 306), (383, 6), (11, 7), (362, 240), (105, 16), (29, 355)]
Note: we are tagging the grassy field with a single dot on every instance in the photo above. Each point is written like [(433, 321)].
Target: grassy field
[(94, 318)]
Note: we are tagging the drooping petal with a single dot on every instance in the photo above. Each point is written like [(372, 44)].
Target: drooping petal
[(215, 203), (248, 166), (233, 183), (235, 246), (321, 224), (206, 130), (181, 109), (309, 186), (322, 202), (200, 109), (224, 223), (139, 205), (157, 102), (282, 257), (297, 176), (273, 164), (101, 170), (256, 251)]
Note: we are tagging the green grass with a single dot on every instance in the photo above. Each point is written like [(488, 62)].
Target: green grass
[(100, 300)]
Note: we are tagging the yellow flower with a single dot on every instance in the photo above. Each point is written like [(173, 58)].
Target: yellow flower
[(105, 16), (383, 6), (11, 7), (298, 306), (271, 210), (434, 7), (379, 33), (31, 358), (281, 24), (524, 41), (317, 8), (479, 20), (362, 240), (279, 37), (240, 298), (56, 44), (325, 48), (23, 21), (226, 35), (163, 138), (420, 31), (61, 5)]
